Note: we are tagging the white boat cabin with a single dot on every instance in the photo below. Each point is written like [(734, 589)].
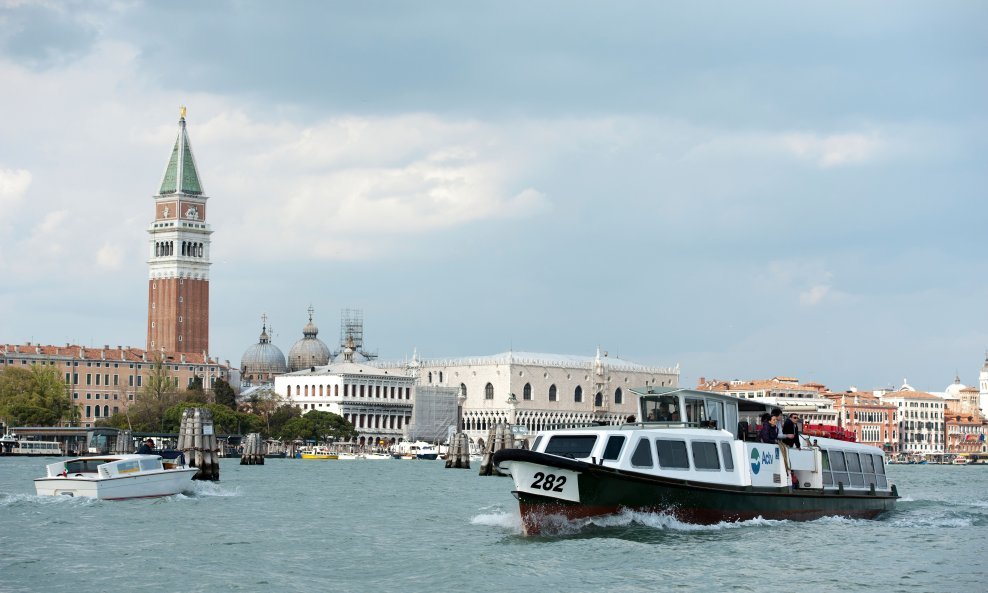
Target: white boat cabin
[(683, 437)]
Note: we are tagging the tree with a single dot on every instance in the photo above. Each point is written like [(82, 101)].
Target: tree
[(225, 420), (224, 394), (195, 392), (319, 426), (158, 394), (34, 396)]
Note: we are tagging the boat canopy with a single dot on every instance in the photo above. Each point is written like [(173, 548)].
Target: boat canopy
[(679, 407)]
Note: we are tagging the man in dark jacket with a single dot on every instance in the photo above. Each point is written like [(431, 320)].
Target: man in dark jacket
[(147, 447), (790, 431)]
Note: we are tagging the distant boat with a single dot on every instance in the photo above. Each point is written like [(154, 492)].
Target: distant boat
[(116, 477), (317, 453), (11, 444)]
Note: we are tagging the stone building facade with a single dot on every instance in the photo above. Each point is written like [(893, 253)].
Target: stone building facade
[(104, 381), (376, 401), (538, 390)]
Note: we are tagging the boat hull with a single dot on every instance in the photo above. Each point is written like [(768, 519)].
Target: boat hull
[(165, 483), (603, 491)]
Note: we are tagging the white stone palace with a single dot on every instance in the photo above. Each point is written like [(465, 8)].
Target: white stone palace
[(539, 390)]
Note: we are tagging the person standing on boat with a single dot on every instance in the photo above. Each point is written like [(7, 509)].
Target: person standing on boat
[(769, 431), (790, 431), (146, 448)]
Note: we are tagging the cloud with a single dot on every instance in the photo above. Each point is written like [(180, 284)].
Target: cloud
[(809, 281), (834, 149), (13, 186), (109, 257), (814, 295)]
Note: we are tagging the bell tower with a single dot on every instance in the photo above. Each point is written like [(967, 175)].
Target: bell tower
[(178, 251)]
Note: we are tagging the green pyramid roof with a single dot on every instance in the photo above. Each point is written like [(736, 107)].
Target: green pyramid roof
[(181, 175)]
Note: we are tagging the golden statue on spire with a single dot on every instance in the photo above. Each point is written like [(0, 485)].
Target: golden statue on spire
[(181, 112)]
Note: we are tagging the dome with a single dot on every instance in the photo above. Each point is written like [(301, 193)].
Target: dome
[(955, 388), (262, 360), (310, 351)]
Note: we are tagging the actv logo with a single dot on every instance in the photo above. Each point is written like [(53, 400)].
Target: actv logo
[(759, 459)]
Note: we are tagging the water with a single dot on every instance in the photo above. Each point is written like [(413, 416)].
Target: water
[(411, 526)]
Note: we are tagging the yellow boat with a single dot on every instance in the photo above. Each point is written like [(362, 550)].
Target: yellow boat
[(317, 453)]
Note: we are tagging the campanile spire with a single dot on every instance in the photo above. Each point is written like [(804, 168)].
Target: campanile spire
[(178, 257)]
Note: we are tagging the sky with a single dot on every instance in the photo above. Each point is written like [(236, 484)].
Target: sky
[(745, 190)]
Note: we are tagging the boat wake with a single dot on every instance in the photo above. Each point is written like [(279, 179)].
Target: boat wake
[(203, 489), (20, 500), (557, 525)]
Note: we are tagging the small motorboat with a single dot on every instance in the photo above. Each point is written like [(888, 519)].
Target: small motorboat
[(116, 477)]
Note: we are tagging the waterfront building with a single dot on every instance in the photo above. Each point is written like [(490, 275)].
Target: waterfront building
[(966, 429), (536, 390), (983, 391), (263, 361), (809, 399), (310, 351), (378, 402), (872, 420), (920, 419), (104, 381), (178, 257)]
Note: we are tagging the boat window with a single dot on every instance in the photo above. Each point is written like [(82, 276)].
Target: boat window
[(642, 457), (715, 413), (704, 455), (672, 454), (881, 483), (696, 411), (664, 408), (535, 445), (828, 477), (82, 466), (854, 467), (150, 464), (613, 449), (867, 465), (128, 467), (573, 446), (839, 468), (725, 452)]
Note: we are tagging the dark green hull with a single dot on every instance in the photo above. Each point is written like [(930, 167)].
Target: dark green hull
[(605, 491)]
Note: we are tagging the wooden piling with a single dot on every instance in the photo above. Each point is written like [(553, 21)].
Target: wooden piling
[(253, 453), (197, 440), (498, 437), (458, 455)]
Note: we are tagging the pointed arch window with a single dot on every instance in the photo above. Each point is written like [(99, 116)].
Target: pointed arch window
[(618, 396), (489, 391), (578, 394), (463, 389), (552, 393), (598, 400), (526, 393)]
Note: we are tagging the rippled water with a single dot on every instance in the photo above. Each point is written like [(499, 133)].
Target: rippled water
[(411, 526)]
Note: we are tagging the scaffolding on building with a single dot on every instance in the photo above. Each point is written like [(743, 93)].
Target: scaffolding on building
[(352, 333), (433, 414)]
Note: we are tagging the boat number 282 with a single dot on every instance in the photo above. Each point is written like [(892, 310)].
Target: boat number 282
[(548, 482)]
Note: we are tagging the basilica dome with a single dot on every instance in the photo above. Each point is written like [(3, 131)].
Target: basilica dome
[(955, 388), (310, 351), (262, 361)]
